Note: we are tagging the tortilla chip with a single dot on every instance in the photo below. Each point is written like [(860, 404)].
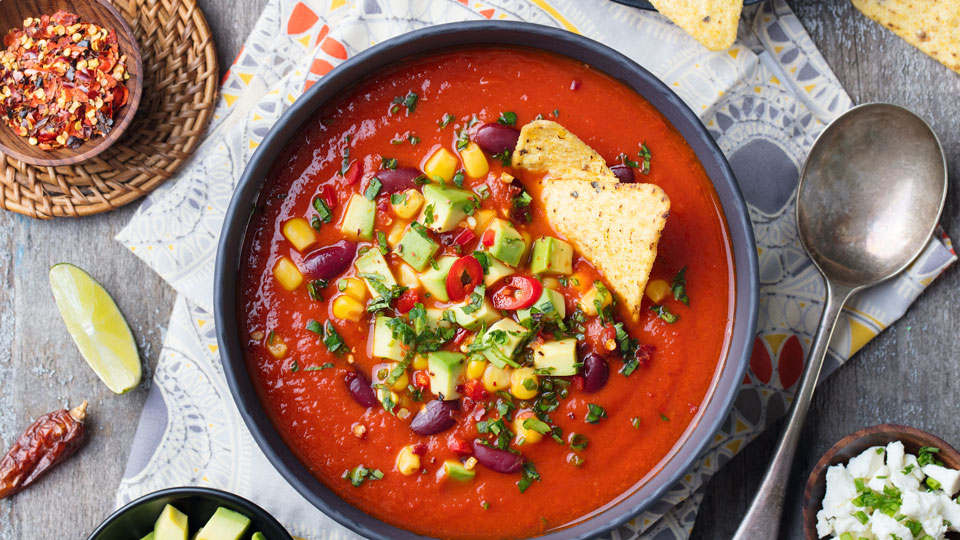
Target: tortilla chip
[(711, 22), (547, 147), (615, 226), (931, 26)]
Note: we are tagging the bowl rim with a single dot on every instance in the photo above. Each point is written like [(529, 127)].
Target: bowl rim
[(815, 485), (129, 109), (730, 369), (191, 491)]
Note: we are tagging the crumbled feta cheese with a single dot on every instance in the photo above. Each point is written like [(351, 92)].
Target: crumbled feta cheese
[(866, 464), (885, 528), (950, 511), (879, 479), (949, 479)]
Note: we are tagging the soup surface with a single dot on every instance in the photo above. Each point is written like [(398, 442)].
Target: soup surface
[(309, 319)]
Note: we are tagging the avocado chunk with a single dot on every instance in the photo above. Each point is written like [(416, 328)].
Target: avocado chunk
[(559, 358), (444, 369), (550, 303), (473, 313), (258, 536), (416, 247), (150, 536), (171, 525), (495, 270), (445, 207), (435, 319), (384, 344), (372, 267), (454, 470), (551, 256), (501, 340), (224, 525), (508, 243), (434, 280), (359, 218)]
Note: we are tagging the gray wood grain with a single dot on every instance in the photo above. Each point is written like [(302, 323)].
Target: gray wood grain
[(899, 377)]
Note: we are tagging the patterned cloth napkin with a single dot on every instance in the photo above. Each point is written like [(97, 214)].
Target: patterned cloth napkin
[(764, 100)]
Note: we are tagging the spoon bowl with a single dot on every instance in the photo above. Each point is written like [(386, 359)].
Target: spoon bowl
[(865, 209), (870, 196)]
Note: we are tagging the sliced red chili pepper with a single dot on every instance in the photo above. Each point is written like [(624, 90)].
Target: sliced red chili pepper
[(407, 300), (487, 238), (329, 196), (465, 274), (464, 237), (354, 172), (461, 336), (421, 379), (520, 292)]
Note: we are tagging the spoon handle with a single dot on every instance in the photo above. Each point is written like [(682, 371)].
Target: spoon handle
[(763, 516)]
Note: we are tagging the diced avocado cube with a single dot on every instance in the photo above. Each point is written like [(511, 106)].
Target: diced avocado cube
[(454, 470), (445, 207), (150, 536), (551, 256), (258, 536), (171, 525), (416, 247), (224, 525), (502, 339), (359, 218), (434, 280), (557, 357), (550, 303), (435, 319), (508, 243), (495, 272), (372, 265), (444, 369), (472, 317), (384, 344)]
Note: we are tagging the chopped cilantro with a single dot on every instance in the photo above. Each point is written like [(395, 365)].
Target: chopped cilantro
[(508, 118), (645, 156), (382, 243), (398, 198), (408, 101), (458, 178), (388, 163), (358, 474), (635, 422), (527, 477), (445, 120), (325, 365), (314, 287), (294, 367), (373, 188), (679, 287), (595, 413), (505, 157), (314, 327), (578, 441), (664, 313), (323, 211)]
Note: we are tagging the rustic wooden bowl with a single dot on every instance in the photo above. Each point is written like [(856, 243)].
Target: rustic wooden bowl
[(853, 445), (101, 13)]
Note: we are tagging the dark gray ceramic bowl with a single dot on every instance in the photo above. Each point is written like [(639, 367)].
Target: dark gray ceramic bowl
[(137, 517), (644, 4), (445, 37)]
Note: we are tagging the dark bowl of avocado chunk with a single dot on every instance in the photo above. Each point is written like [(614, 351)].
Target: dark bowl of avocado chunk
[(190, 512)]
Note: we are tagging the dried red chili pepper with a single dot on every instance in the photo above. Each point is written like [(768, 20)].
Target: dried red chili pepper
[(61, 80), (47, 442)]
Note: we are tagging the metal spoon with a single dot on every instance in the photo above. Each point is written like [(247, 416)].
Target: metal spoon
[(870, 195)]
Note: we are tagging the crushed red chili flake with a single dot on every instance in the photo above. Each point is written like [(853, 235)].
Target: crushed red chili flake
[(61, 80)]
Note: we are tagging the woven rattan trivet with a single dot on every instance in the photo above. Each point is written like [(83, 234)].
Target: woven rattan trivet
[(179, 93)]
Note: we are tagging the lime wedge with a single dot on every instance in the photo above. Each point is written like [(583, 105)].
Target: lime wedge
[(97, 327)]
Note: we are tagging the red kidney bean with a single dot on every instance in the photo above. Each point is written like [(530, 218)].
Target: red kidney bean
[(624, 174), (494, 138), (400, 179), (595, 372), (435, 417), (360, 390), (497, 460), (329, 261)]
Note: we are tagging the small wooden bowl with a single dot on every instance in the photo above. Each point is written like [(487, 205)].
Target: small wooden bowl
[(853, 445), (101, 13)]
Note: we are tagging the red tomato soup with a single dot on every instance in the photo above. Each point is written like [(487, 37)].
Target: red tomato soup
[(453, 428)]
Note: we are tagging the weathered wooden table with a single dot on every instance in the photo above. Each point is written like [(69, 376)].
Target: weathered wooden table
[(906, 375)]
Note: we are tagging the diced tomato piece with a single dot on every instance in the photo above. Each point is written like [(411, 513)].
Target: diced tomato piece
[(421, 379), (407, 300), (464, 237), (644, 354), (459, 446), (520, 292), (329, 196), (461, 336), (419, 449), (354, 172), (487, 238), (474, 390), (577, 382), (465, 274)]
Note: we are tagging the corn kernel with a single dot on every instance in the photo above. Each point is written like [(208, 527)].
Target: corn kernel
[(410, 205), (581, 281), (524, 383), (276, 346), (483, 218), (383, 394), (496, 379), (354, 288), (402, 381), (420, 362), (474, 162), (407, 462), (475, 369), (529, 436), (403, 413), (287, 274), (407, 277), (441, 164), (588, 301), (299, 233), (551, 283), (657, 290), (359, 430), (347, 308), (506, 177), (470, 463), (396, 233)]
